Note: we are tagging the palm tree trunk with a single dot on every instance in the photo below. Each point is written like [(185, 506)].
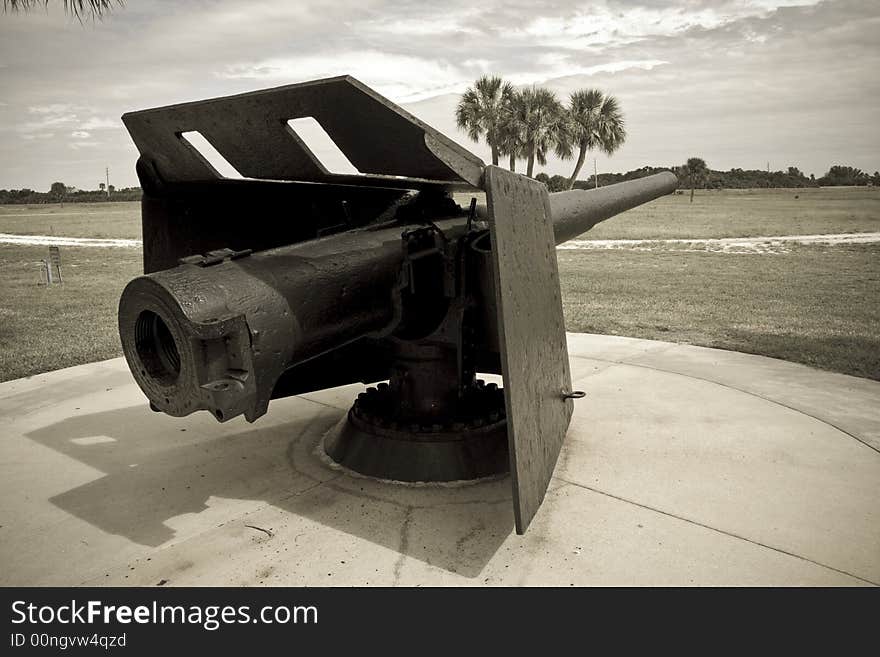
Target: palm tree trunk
[(692, 193), (494, 154), (530, 167), (582, 155), (513, 161)]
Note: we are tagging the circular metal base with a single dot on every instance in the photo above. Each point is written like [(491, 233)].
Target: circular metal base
[(433, 456), (473, 446)]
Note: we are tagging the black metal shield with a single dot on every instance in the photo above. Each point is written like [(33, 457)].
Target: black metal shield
[(534, 353), (383, 141)]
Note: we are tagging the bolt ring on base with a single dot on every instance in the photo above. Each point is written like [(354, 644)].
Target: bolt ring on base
[(371, 445)]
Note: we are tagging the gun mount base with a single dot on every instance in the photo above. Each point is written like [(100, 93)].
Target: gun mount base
[(472, 446)]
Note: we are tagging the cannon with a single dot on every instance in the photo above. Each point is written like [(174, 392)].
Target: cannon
[(292, 277)]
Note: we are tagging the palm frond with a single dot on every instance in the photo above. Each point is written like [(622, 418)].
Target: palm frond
[(78, 8), (482, 109), (596, 120), (695, 170)]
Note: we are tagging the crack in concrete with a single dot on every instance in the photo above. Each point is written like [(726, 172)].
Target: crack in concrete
[(718, 530)]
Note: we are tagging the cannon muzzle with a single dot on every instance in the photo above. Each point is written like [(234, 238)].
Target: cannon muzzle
[(217, 332)]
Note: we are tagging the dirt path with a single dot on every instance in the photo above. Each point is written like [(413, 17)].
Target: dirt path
[(23, 213), (52, 240), (775, 244)]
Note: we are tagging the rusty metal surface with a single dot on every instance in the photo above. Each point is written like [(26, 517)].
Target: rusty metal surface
[(250, 130), (534, 354)]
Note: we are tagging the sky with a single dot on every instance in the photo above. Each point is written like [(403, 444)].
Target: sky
[(746, 83)]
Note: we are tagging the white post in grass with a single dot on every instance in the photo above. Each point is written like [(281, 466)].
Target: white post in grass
[(55, 261)]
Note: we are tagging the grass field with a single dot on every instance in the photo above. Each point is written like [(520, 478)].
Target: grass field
[(45, 328), (745, 213), (818, 305), (727, 213), (814, 305), (109, 220)]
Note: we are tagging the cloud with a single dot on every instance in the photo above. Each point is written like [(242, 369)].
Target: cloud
[(793, 86), (80, 134), (562, 67), (737, 81), (55, 109), (64, 115), (409, 79), (431, 25), (50, 121), (98, 123), (611, 23), (403, 77)]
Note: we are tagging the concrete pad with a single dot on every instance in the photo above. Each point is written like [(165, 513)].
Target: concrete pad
[(682, 466)]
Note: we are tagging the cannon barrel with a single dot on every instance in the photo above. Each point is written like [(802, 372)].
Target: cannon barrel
[(218, 331), (575, 212)]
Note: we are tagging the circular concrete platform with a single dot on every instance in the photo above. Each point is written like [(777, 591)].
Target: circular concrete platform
[(683, 466)]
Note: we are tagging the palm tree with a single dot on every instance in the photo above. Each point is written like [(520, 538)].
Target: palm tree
[(511, 133), (696, 172), (596, 122), (481, 110), (511, 144), (540, 123), (78, 8)]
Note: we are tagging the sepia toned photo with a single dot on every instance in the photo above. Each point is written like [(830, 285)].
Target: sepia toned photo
[(372, 294)]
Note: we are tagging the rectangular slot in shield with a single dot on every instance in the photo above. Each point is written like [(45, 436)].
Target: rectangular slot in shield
[(534, 352)]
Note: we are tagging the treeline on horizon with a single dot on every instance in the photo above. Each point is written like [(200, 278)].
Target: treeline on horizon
[(836, 176), (29, 196), (528, 123)]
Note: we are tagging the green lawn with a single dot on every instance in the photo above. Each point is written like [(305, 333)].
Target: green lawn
[(47, 328), (726, 213), (818, 305), (110, 220), (814, 305), (749, 213), (744, 213)]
